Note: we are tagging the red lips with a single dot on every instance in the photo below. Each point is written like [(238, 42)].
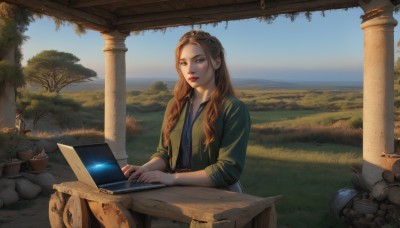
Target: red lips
[(193, 79)]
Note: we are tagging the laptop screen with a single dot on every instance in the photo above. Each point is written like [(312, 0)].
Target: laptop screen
[(100, 163)]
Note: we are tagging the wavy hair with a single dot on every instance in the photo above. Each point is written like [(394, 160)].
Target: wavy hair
[(213, 49)]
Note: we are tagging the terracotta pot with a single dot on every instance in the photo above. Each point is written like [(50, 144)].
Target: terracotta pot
[(12, 168), (38, 164), (25, 155)]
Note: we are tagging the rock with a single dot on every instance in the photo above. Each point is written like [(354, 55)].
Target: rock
[(1, 203), (47, 145), (7, 183), (394, 195), (388, 176), (44, 180), (380, 190), (26, 189), (9, 196)]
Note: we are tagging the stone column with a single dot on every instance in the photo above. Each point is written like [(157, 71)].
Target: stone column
[(378, 111), (7, 96), (115, 94)]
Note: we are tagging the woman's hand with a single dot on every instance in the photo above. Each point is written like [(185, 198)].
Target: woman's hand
[(133, 172), (157, 176)]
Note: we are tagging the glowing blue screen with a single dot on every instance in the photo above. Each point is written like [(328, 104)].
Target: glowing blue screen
[(100, 163)]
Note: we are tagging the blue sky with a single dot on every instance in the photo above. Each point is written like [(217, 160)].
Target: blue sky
[(328, 48)]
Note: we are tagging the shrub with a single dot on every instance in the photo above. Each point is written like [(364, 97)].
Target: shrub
[(132, 127), (356, 123)]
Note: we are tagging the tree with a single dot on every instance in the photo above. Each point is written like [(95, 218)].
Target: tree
[(158, 86), (54, 70), (39, 105), (14, 22)]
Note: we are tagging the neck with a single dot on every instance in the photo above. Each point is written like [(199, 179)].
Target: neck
[(202, 95)]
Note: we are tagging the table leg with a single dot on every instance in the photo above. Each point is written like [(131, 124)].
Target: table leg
[(76, 213), (115, 215), (217, 224), (266, 218), (56, 208)]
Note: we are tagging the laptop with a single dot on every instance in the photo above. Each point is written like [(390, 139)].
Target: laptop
[(96, 166)]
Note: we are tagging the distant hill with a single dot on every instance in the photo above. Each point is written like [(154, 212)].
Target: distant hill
[(239, 83)]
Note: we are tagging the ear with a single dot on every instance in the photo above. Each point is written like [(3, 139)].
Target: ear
[(217, 63)]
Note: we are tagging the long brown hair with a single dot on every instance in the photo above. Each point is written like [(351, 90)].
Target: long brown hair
[(223, 86)]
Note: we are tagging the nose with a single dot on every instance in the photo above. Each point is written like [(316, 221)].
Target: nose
[(190, 68)]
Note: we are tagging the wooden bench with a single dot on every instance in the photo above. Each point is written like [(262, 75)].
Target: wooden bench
[(75, 204)]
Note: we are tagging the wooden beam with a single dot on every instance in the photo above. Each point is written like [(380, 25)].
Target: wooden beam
[(225, 13), (64, 12), (89, 3)]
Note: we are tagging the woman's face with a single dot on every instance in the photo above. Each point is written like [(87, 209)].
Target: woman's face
[(196, 69)]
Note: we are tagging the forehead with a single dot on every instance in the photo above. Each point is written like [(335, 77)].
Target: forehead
[(189, 51)]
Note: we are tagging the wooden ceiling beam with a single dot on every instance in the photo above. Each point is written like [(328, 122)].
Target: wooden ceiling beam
[(226, 13), (100, 19), (90, 3), (64, 12)]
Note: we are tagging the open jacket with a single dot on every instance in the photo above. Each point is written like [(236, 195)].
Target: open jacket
[(224, 158)]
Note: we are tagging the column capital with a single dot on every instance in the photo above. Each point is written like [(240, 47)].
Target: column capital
[(114, 41), (376, 8)]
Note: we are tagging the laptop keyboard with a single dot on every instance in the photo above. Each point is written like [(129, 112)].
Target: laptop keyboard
[(126, 184)]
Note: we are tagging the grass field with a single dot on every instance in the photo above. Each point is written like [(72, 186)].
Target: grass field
[(302, 144), (306, 174)]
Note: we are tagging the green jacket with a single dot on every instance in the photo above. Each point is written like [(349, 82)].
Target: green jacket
[(223, 160)]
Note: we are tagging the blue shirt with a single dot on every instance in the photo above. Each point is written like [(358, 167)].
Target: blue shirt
[(185, 150)]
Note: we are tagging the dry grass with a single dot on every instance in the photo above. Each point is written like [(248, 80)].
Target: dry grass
[(132, 126), (315, 134)]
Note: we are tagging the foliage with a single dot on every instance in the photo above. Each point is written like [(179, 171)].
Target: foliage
[(132, 127), (14, 22), (11, 74), (39, 105), (257, 100), (158, 86), (9, 139), (397, 64), (54, 70)]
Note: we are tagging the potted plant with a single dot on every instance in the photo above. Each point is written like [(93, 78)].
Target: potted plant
[(25, 155), (39, 162), (8, 143)]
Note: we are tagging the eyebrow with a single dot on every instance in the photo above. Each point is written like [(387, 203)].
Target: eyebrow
[(196, 56)]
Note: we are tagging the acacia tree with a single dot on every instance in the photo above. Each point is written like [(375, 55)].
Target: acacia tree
[(54, 70)]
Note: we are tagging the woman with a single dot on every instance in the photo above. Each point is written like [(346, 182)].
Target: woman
[(205, 129)]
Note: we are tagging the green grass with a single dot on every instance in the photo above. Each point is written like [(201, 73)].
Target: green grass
[(142, 146), (306, 174), (291, 118)]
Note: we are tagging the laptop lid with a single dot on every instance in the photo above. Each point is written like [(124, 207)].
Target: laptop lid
[(93, 164), (76, 165)]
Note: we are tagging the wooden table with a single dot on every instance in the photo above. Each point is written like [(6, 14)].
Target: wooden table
[(75, 204)]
